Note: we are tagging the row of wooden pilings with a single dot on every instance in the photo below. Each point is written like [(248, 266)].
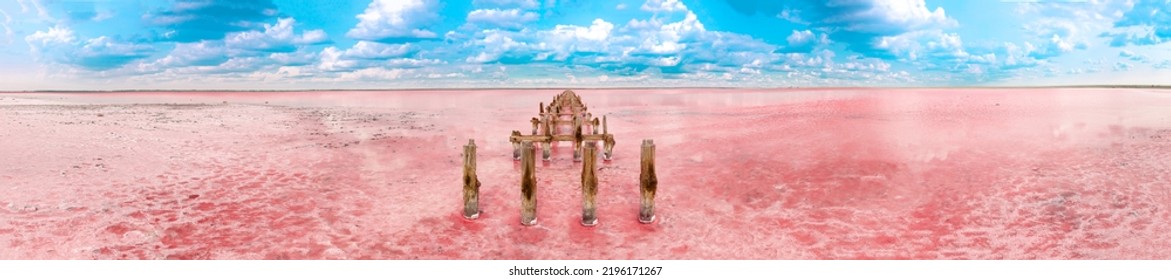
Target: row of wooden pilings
[(648, 184)]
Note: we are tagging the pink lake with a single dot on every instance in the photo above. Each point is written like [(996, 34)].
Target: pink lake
[(743, 174)]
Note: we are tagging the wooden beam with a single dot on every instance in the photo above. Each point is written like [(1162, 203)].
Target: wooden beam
[(648, 183), (516, 139)]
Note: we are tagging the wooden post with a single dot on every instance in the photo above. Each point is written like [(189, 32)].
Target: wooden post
[(471, 182), (528, 186), (604, 131), (547, 147), (515, 146), (589, 187), (535, 122), (607, 147), (576, 138), (648, 183), (608, 144), (542, 108)]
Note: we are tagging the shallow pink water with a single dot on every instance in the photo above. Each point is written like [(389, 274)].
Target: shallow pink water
[(744, 174)]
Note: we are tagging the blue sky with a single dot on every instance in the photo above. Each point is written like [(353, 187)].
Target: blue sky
[(285, 44)]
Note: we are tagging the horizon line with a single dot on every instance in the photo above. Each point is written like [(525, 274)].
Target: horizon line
[(575, 88)]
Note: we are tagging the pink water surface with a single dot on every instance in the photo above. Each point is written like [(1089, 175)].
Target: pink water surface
[(743, 174)]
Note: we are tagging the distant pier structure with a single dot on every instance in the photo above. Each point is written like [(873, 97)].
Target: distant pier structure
[(565, 119)]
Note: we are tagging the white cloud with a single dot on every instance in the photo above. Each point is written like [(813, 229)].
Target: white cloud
[(372, 50), (315, 36), (512, 18), (524, 4), (663, 6), (805, 40), (396, 20), (55, 35), (330, 59), (880, 17), (298, 58), (912, 13), (494, 44), (278, 37), (621, 6), (1075, 24), (659, 38), (800, 38), (105, 45)]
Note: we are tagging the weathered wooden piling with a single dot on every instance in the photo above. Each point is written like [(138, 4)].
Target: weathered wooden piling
[(547, 147), (515, 146), (607, 143), (648, 183), (471, 182), (589, 186), (528, 185), (577, 138)]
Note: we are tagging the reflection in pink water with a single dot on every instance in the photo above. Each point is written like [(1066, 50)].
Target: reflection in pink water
[(744, 174)]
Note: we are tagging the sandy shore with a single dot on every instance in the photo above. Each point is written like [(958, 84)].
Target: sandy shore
[(744, 174)]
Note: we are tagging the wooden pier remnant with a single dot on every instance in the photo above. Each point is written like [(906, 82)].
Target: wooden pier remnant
[(528, 185), (648, 183), (565, 112), (471, 182), (589, 186)]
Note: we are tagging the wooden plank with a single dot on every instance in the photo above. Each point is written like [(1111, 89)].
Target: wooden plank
[(528, 138), (559, 138)]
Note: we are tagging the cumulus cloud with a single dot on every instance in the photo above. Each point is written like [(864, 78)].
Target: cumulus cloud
[(59, 45), (663, 6), (511, 19), (931, 44), (278, 37), (500, 46), (804, 41), (1151, 17), (396, 21), (523, 4), (374, 50), (204, 53), (566, 39), (54, 36)]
